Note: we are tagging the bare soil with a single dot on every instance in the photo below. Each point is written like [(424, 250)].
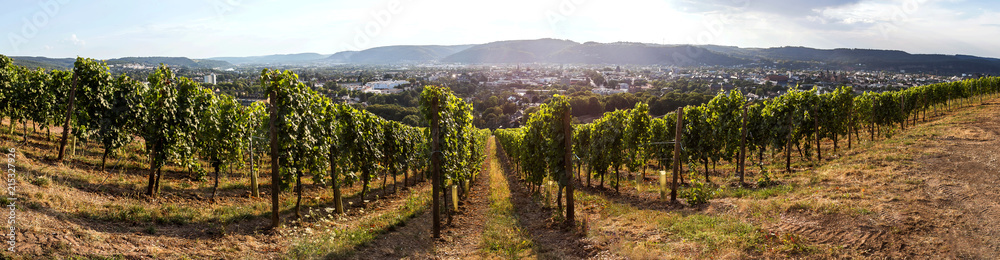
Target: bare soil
[(945, 203), (552, 237), (459, 240), (930, 192), (50, 227)]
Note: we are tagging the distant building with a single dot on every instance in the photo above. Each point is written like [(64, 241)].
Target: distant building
[(211, 78), (383, 91), (353, 86), (386, 84), (777, 80), (385, 87), (608, 91)]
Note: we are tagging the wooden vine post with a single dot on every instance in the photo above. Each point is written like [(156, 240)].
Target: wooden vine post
[(902, 111), (66, 126), (255, 191), (980, 93), (743, 145), (923, 106), (677, 152), (275, 176), (435, 168), (338, 202), (568, 161), (935, 109), (819, 149), (850, 124), (788, 146)]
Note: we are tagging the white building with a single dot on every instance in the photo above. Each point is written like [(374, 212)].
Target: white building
[(386, 84), (608, 91), (210, 78), (384, 87), (383, 91)]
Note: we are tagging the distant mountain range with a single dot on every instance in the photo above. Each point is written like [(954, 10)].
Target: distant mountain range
[(570, 52), (67, 63), (398, 54), (272, 59), (563, 51), (866, 59), (43, 62)]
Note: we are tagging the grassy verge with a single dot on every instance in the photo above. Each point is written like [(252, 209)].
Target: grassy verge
[(87, 192), (502, 236), (851, 184), (636, 233), (326, 239), (62, 193)]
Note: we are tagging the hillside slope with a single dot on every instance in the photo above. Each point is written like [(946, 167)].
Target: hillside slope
[(928, 191), (397, 54), (273, 59)]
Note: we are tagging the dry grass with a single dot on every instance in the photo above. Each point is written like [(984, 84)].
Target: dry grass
[(641, 233), (503, 236), (852, 184), (326, 235), (95, 213), (109, 211)]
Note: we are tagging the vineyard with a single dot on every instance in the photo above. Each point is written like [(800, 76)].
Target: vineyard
[(165, 168), (723, 130)]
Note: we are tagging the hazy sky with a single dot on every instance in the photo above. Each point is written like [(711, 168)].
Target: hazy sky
[(213, 28)]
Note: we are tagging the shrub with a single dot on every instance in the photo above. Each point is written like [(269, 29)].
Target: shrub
[(765, 180), (41, 181), (698, 193)]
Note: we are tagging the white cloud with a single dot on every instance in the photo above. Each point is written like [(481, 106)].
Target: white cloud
[(76, 41), (258, 27)]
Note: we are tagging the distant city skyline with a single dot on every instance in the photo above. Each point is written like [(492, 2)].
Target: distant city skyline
[(219, 28)]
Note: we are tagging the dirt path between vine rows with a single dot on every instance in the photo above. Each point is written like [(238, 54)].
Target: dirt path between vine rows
[(551, 238), (463, 238), (460, 240)]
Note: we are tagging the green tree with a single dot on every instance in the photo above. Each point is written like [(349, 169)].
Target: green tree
[(171, 122), (93, 93), (38, 101), (222, 134), (124, 117), (8, 76), (699, 143), (297, 128), (360, 133), (636, 136)]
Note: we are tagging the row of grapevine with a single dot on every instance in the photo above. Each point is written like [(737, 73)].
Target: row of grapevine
[(621, 138), (456, 146), (185, 124), (31, 94), (536, 149), (801, 119), (317, 137), (461, 145), (713, 131), (608, 143), (539, 150)]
